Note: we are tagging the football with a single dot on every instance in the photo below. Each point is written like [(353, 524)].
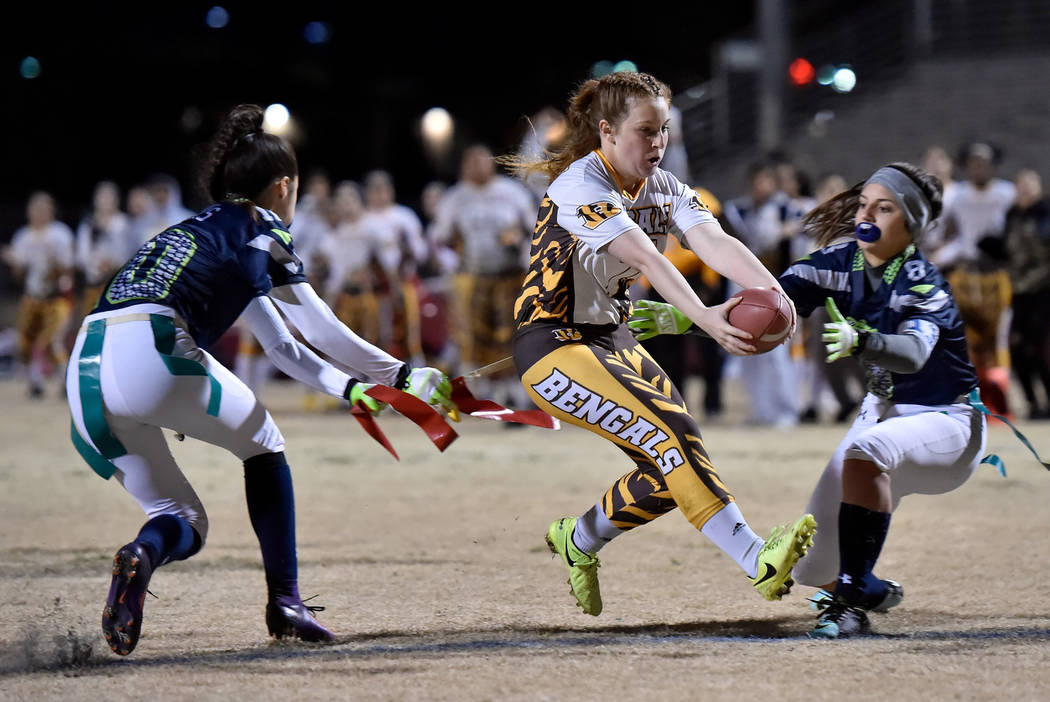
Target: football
[(765, 313)]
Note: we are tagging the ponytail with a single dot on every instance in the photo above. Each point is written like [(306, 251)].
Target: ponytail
[(606, 98), (243, 160)]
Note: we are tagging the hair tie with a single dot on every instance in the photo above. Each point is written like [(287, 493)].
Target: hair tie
[(244, 138)]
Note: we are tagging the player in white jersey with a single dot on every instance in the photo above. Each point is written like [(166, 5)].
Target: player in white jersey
[(604, 222), (349, 254), (487, 218), (101, 244), (400, 248), (41, 253)]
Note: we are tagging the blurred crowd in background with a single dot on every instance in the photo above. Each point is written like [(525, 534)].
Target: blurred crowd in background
[(436, 282)]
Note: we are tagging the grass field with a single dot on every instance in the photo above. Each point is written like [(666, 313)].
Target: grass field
[(436, 578)]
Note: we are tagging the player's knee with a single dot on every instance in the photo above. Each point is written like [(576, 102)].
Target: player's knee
[(870, 449)]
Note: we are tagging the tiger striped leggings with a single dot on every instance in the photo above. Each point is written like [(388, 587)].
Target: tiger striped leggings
[(600, 378)]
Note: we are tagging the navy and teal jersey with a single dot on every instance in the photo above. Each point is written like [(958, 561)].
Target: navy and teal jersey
[(208, 268), (912, 289)]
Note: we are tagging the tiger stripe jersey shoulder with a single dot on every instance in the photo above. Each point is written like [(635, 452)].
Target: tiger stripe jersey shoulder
[(572, 277)]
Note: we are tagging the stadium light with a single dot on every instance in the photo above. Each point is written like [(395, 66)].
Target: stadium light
[(217, 17), (30, 68), (276, 119), (437, 126), (844, 80)]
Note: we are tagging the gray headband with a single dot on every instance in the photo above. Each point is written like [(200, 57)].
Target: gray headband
[(909, 197)]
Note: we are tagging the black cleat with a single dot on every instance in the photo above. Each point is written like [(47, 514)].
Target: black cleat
[(122, 615), (293, 619)]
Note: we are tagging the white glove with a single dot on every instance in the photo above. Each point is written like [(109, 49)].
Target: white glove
[(433, 387)]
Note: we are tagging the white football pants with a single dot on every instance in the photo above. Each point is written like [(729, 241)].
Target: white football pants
[(140, 395), (925, 450)]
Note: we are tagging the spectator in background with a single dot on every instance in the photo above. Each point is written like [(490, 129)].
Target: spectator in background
[(1027, 247), (835, 375), (311, 221), (762, 219), (972, 254), (487, 218), (977, 209), (347, 252), (101, 242), (547, 130), (140, 220), (400, 248), (41, 254), (166, 196), (676, 160), (937, 162)]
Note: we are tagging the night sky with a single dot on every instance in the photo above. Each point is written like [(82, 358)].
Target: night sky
[(117, 82)]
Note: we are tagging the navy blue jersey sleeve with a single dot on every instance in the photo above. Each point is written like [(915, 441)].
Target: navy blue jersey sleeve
[(812, 279), (268, 259)]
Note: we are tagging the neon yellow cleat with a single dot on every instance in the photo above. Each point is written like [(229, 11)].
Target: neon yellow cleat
[(783, 549), (583, 567)]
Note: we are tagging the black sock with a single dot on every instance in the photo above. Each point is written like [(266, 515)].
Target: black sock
[(168, 537), (271, 507), (862, 533)]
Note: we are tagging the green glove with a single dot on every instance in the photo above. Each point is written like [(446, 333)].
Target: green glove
[(355, 393), (652, 318), (433, 387), (840, 337)]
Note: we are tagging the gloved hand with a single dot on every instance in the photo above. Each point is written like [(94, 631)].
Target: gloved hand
[(840, 337), (433, 387), (652, 318), (355, 393)]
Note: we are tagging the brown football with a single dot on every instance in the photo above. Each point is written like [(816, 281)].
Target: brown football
[(765, 313)]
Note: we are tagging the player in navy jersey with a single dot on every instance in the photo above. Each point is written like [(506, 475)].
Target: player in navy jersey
[(140, 363), (918, 430)]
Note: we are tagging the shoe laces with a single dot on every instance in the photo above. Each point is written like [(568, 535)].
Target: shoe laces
[(312, 608), (837, 609)]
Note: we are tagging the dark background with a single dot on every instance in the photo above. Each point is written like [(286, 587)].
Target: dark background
[(117, 80)]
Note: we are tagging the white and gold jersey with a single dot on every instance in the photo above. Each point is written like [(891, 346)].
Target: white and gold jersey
[(482, 216), (43, 254), (572, 277)]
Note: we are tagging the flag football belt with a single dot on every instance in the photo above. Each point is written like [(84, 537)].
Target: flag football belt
[(974, 399)]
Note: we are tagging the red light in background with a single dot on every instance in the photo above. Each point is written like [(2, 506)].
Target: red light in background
[(801, 72)]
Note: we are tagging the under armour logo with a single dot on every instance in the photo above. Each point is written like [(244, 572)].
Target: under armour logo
[(845, 579)]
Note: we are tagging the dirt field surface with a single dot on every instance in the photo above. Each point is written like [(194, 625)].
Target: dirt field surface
[(434, 573)]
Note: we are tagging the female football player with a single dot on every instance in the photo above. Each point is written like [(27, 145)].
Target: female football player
[(140, 364), (604, 222), (919, 429)]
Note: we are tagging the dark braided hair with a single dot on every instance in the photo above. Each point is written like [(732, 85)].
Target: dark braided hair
[(606, 98), (835, 218), (243, 160)]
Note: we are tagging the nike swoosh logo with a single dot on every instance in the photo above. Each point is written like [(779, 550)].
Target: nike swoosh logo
[(770, 572)]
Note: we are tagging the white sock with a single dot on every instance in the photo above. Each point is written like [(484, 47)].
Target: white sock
[(594, 530), (729, 531)]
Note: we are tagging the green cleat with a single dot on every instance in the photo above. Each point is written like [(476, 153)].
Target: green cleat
[(783, 549), (583, 567)]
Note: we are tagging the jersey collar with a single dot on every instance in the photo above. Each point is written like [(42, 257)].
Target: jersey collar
[(616, 176)]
